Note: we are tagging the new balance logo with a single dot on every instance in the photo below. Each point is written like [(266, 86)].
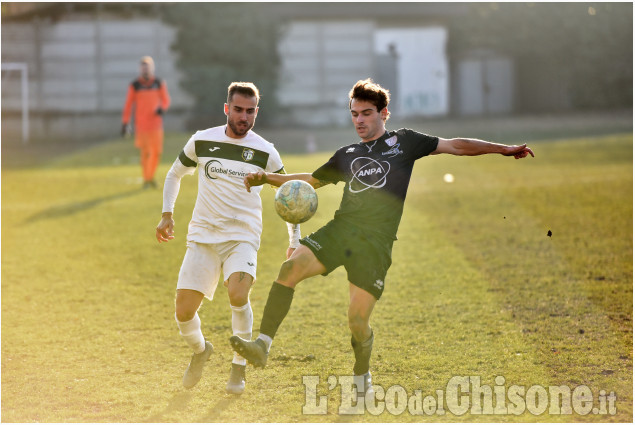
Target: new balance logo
[(214, 149)]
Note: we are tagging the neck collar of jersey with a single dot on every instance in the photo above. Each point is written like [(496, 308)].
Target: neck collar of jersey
[(372, 143)]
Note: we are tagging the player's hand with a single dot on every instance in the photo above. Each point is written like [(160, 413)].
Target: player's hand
[(159, 111), (255, 179), (165, 229), (518, 151), (290, 252), (124, 129)]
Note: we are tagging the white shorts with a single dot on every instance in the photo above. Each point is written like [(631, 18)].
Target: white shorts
[(203, 262)]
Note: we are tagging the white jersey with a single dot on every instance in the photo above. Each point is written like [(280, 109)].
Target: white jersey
[(224, 210)]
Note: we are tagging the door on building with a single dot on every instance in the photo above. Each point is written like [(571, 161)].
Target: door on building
[(485, 86)]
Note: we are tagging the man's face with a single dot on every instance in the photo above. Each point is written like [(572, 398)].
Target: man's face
[(368, 122), (145, 70), (241, 114)]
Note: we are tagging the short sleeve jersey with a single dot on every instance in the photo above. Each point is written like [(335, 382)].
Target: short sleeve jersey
[(376, 176), (224, 210)]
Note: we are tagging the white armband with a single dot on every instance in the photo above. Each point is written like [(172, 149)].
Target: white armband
[(294, 235)]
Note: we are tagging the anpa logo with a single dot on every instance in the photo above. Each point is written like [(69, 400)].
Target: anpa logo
[(248, 154), (368, 173)]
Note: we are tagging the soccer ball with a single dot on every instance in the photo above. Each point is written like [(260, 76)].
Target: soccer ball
[(296, 201)]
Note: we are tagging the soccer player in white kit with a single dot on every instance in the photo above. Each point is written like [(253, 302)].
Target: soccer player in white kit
[(224, 233)]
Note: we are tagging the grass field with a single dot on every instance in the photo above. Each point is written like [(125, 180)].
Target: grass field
[(476, 288)]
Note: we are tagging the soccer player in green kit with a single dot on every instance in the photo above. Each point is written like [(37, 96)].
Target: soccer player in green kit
[(376, 172)]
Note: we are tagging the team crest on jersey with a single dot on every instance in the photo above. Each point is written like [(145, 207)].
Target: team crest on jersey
[(391, 140), (248, 154)]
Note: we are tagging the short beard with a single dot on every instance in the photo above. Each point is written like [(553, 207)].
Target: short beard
[(236, 131)]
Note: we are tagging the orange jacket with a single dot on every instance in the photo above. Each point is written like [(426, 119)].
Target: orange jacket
[(147, 96)]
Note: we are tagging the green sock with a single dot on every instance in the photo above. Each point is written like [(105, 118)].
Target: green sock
[(276, 309), (362, 352)]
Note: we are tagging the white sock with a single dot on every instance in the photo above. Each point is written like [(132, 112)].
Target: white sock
[(266, 339), (191, 333), (242, 322)]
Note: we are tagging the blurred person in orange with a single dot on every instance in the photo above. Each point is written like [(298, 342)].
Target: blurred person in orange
[(149, 95)]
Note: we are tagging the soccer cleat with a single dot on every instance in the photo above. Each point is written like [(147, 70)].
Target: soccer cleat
[(236, 382), (366, 383), (194, 371), (254, 351)]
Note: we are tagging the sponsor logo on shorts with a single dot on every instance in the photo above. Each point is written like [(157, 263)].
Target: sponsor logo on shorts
[(251, 264), (379, 284), (313, 243)]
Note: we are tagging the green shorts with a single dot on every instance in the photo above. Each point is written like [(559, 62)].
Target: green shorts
[(365, 257)]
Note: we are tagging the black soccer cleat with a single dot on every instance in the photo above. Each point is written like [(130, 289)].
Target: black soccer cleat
[(255, 352)]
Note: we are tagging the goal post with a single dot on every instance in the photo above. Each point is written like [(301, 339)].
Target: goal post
[(23, 69)]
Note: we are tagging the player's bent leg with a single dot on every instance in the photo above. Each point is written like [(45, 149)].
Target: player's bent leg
[(238, 287), (301, 265), (361, 304), (359, 312), (187, 304)]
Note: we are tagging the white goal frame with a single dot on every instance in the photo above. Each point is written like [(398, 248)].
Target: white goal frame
[(24, 79)]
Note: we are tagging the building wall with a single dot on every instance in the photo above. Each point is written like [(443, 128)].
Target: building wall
[(79, 71), (320, 62)]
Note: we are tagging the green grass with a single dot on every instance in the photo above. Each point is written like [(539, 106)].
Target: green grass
[(476, 288)]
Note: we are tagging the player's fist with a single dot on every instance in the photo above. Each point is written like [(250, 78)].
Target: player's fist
[(255, 179), (518, 151), (159, 111), (124, 129), (165, 229)]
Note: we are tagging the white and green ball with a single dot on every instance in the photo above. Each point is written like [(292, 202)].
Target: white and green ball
[(296, 201)]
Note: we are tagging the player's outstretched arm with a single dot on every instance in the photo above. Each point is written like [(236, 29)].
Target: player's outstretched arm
[(472, 147), (275, 179), (165, 228)]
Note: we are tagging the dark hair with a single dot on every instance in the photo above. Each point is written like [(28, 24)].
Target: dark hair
[(369, 91), (246, 89)]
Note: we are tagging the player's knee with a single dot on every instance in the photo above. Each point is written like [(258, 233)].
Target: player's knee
[(290, 272), (358, 324), (238, 296), (184, 313)]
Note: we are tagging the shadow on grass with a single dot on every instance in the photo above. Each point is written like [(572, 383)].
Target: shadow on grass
[(214, 413), (177, 403), (75, 207)]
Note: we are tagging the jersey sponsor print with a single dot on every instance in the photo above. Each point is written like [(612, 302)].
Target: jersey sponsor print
[(376, 176), (224, 209)]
